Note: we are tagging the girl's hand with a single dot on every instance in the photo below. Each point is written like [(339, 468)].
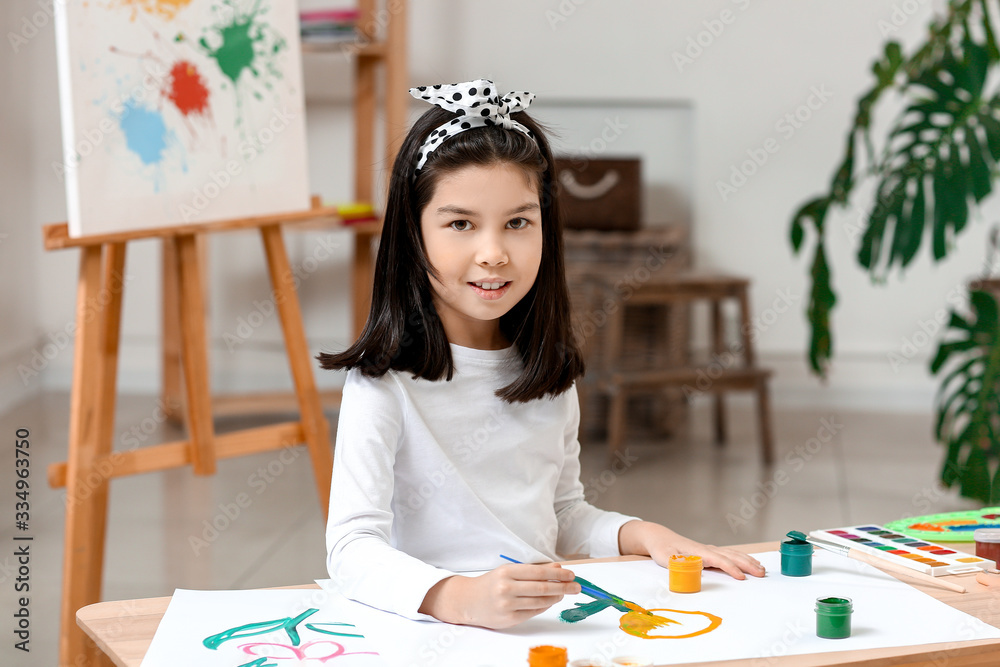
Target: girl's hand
[(659, 542), (500, 598)]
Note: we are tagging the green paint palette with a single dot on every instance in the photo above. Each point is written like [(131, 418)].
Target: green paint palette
[(947, 527)]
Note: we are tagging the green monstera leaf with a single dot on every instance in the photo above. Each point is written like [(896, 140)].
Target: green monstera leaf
[(939, 162), (932, 168), (968, 403)]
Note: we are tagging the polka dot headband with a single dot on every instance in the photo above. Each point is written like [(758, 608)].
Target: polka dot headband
[(477, 103)]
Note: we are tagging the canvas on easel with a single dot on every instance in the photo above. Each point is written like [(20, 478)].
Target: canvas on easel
[(179, 111)]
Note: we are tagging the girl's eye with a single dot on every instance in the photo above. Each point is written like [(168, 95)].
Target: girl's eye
[(519, 223), (460, 225)]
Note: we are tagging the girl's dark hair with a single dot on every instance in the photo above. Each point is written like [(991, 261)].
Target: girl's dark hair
[(403, 331)]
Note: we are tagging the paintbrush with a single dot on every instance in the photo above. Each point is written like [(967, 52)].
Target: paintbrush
[(875, 561), (596, 592)]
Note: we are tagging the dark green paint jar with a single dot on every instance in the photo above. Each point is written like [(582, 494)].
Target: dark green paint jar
[(833, 617), (796, 558)]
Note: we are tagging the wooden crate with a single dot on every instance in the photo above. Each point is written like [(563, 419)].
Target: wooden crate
[(600, 194)]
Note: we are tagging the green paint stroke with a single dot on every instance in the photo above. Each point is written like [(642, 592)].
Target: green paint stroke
[(315, 627), (260, 662), (289, 625), (244, 42), (584, 609)]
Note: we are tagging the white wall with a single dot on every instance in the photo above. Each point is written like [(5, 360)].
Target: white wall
[(763, 64), (20, 233)]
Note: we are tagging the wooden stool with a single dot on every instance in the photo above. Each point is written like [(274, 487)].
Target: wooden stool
[(730, 369), (601, 270)]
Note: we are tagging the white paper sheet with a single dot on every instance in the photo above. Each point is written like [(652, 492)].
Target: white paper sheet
[(773, 616), (194, 616)]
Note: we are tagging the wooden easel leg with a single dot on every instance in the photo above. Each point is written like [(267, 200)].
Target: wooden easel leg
[(170, 393), (98, 316), (313, 422), (195, 356)]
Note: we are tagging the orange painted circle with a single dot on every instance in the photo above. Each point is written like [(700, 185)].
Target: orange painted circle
[(650, 626)]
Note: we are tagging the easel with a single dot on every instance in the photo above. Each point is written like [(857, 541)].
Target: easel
[(91, 463)]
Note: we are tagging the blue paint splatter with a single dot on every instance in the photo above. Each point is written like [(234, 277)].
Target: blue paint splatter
[(145, 132)]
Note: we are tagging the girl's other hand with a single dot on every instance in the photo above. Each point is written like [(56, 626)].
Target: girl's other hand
[(643, 538), (501, 598)]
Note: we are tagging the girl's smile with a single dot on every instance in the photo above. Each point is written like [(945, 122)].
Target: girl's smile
[(490, 289), (482, 232)]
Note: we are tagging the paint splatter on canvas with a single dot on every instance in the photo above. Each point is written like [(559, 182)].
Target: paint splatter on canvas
[(179, 111)]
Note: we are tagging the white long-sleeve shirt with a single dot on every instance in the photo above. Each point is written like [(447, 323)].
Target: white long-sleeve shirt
[(432, 478)]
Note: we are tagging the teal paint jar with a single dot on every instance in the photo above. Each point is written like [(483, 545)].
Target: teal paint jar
[(796, 558), (833, 617)]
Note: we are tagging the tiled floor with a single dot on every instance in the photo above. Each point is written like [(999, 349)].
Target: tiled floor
[(831, 469)]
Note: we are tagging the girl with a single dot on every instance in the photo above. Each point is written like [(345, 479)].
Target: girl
[(457, 438)]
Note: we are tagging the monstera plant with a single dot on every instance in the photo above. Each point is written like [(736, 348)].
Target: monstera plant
[(937, 162)]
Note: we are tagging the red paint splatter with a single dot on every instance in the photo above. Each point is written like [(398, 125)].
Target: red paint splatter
[(187, 89)]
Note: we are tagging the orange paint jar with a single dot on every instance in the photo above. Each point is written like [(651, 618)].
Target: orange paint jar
[(547, 656), (685, 573)]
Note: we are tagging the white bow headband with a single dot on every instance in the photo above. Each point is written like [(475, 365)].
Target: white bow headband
[(477, 103)]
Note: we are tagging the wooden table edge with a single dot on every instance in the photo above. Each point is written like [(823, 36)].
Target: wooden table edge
[(966, 653)]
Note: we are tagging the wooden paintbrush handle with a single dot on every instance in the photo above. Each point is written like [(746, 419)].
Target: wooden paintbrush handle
[(884, 564)]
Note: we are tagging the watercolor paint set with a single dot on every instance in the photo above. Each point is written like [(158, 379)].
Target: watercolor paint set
[(919, 555)]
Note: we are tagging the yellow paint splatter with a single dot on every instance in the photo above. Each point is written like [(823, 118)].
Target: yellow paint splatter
[(642, 623), (163, 9)]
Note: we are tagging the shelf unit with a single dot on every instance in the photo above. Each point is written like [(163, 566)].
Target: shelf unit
[(380, 45)]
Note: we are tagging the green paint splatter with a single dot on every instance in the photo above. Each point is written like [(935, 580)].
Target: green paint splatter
[(236, 52), (244, 43)]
